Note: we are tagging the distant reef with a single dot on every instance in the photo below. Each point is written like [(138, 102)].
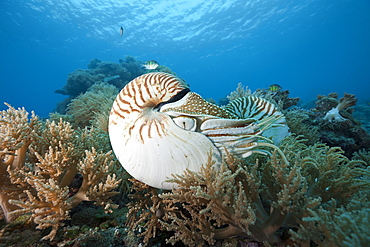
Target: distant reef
[(116, 74)]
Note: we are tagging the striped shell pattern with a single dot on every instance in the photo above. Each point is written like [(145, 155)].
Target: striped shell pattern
[(157, 128)]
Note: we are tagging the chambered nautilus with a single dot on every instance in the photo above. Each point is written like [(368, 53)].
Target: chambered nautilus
[(157, 128)]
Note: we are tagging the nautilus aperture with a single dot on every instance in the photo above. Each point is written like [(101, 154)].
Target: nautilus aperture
[(158, 128)]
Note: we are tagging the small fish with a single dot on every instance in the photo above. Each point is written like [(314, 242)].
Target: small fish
[(275, 88), (121, 31), (151, 64)]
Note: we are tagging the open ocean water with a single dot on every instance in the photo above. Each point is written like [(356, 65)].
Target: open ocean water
[(309, 47)]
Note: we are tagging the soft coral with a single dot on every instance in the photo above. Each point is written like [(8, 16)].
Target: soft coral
[(347, 101)]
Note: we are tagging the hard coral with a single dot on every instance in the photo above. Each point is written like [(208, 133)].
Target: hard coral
[(266, 201), (38, 162)]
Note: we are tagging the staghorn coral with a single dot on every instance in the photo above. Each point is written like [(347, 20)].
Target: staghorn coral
[(38, 162), (16, 132), (268, 201)]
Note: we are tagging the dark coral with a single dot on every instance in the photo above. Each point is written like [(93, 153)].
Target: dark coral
[(116, 74), (326, 103), (78, 82), (347, 134), (283, 97)]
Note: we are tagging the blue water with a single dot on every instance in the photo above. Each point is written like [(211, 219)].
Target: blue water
[(309, 46)]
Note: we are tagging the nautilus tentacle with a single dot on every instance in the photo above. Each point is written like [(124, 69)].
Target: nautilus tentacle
[(252, 107), (147, 142)]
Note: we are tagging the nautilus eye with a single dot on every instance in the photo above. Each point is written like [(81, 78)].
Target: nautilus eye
[(185, 122), (147, 142)]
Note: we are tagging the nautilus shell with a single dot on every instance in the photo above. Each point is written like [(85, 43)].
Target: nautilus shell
[(157, 128)]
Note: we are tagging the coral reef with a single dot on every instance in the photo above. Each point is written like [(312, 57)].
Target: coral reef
[(300, 122), (38, 162), (239, 92), (79, 81), (345, 102), (59, 180), (361, 112), (116, 74), (339, 130), (91, 107), (323, 122), (280, 98), (101, 71), (264, 200)]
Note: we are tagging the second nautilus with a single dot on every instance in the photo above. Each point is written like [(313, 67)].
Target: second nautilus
[(158, 127)]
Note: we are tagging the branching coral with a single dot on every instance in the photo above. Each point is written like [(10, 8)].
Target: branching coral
[(266, 201), (39, 161), (300, 123), (146, 202), (338, 225), (345, 102), (239, 92), (16, 132), (362, 155)]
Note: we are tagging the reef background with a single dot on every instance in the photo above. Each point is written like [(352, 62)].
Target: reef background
[(62, 185), (67, 61), (310, 47)]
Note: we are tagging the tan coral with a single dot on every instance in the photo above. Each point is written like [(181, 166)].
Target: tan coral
[(40, 160)]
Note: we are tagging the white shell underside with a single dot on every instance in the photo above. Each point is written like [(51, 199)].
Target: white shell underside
[(172, 148)]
